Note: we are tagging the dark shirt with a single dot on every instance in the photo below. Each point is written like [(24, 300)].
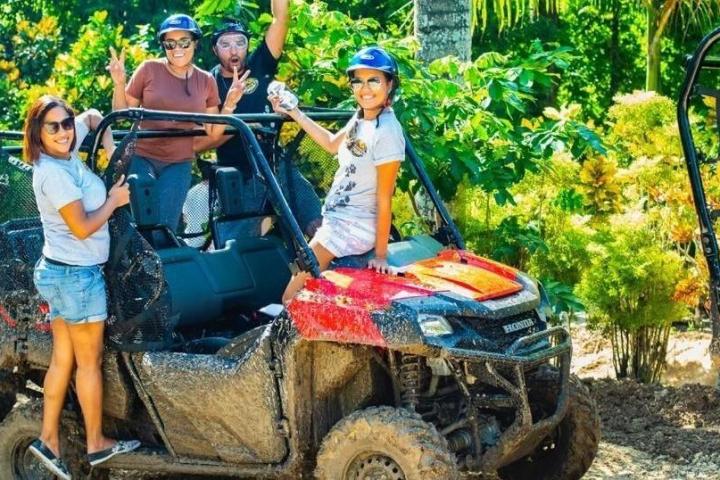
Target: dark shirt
[(263, 67)]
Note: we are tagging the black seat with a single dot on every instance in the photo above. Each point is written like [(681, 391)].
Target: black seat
[(234, 218), (245, 275), (145, 209)]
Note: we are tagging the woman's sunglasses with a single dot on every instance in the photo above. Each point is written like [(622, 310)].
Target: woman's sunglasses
[(373, 83), (182, 43), (67, 123)]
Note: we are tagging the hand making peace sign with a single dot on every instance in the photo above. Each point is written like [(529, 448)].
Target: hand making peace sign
[(116, 67), (237, 88)]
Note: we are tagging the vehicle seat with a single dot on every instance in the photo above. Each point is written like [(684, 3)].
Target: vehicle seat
[(247, 274), (241, 212), (145, 210)]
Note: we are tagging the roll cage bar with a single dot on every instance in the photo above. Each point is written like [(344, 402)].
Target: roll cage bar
[(238, 124), (696, 62)]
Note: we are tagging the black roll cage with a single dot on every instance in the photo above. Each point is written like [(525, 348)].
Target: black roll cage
[(696, 62), (238, 124)]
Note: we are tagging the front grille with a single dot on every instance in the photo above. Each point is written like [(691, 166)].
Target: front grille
[(492, 330)]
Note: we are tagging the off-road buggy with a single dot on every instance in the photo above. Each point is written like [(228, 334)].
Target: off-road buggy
[(700, 95), (447, 369)]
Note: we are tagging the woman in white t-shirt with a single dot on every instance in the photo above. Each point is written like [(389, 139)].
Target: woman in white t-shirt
[(74, 209), (358, 207)]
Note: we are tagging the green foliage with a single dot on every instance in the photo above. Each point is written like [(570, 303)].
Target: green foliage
[(472, 129), (515, 240), (562, 298), (33, 47), (566, 255), (319, 46), (628, 289), (631, 280), (643, 124), (80, 74), (607, 39)]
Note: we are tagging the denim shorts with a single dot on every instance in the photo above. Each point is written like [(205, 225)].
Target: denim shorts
[(74, 293)]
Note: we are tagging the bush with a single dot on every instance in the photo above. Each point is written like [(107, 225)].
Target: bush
[(80, 75), (628, 289), (643, 124)]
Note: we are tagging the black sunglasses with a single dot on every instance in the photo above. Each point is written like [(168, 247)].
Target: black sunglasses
[(67, 123), (182, 43)]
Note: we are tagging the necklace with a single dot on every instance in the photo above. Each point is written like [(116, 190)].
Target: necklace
[(184, 74)]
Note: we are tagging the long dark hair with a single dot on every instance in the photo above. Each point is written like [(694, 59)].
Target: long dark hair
[(32, 143)]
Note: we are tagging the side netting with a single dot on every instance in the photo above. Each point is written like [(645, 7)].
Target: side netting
[(139, 304), (21, 241)]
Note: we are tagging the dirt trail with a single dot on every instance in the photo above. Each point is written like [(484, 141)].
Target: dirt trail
[(654, 432)]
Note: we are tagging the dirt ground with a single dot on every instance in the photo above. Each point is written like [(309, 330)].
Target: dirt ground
[(654, 432)]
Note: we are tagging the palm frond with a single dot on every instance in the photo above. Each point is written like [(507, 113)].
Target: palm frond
[(510, 13)]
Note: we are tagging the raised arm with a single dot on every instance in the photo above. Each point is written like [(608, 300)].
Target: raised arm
[(215, 131), (277, 32), (330, 142), (92, 119), (116, 67)]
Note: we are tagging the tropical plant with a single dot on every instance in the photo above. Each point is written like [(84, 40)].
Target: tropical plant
[(660, 14), (628, 289)]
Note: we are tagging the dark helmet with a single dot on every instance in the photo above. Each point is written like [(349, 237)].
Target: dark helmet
[(374, 58), (229, 26), (179, 21)]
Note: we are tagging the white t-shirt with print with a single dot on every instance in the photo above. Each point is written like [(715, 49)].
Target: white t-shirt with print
[(350, 210), (59, 182)]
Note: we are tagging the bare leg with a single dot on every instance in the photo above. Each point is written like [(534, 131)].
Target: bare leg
[(56, 383), (87, 340), (324, 257)]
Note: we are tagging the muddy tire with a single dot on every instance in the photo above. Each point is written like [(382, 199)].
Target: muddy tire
[(8, 392), (20, 428), (570, 452), (385, 441)]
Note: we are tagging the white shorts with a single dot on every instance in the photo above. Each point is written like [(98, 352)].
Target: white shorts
[(343, 238)]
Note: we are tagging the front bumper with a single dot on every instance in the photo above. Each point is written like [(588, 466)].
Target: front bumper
[(507, 372)]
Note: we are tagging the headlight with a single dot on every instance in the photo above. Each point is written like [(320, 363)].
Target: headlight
[(434, 325)]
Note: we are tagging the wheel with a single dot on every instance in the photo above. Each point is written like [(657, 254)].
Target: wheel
[(20, 428), (8, 393), (384, 443), (568, 453)]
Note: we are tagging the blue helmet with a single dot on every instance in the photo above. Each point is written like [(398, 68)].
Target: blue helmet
[(229, 26), (374, 58), (179, 21)]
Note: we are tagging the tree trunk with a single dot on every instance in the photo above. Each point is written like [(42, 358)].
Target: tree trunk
[(652, 76), (443, 28), (615, 70)]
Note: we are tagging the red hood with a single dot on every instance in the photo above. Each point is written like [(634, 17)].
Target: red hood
[(451, 271), (339, 306)]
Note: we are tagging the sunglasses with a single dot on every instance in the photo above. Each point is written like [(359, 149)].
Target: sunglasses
[(238, 43), (373, 84), (184, 42), (67, 124)]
